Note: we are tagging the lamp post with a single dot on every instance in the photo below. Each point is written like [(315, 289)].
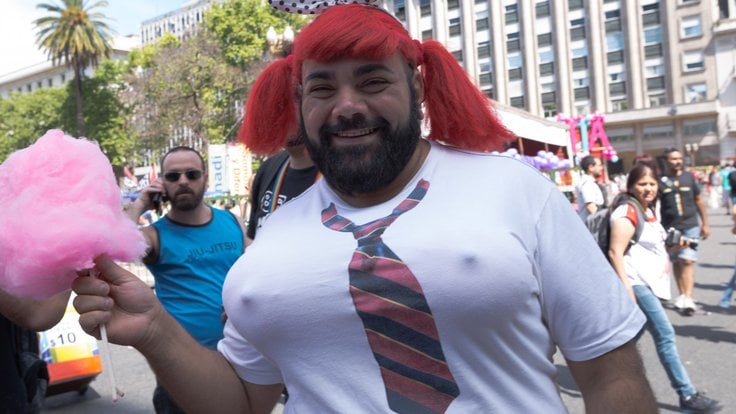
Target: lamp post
[(692, 149), (279, 44)]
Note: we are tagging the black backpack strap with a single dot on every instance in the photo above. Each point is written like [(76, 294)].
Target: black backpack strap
[(641, 218), (269, 174)]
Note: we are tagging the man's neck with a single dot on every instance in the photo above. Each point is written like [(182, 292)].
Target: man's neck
[(394, 187), (202, 214), (299, 158)]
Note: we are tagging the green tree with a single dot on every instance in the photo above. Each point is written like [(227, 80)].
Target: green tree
[(240, 27), (24, 118), (186, 87), (107, 114), (78, 36)]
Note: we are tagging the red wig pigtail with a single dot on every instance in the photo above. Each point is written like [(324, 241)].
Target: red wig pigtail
[(270, 116), (459, 114)]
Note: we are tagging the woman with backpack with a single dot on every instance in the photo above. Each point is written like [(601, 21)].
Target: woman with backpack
[(643, 267)]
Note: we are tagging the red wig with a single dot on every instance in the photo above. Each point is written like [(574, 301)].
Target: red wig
[(457, 111)]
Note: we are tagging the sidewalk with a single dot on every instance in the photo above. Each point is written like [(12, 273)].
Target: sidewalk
[(706, 341)]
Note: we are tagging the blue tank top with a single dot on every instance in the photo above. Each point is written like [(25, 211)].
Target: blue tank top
[(191, 268)]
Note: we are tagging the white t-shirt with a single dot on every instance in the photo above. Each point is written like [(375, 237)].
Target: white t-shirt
[(587, 191), (647, 262), (508, 270)]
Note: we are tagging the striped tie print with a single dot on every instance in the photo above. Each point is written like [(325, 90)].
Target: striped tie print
[(397, 319)]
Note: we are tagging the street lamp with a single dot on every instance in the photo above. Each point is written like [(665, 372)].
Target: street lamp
[(279, 45), (692, 149)]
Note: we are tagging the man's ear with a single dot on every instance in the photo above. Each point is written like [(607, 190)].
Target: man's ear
[(418, 80)]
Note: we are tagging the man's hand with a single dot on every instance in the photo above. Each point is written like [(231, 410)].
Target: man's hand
[(704, 231), (120, 300)]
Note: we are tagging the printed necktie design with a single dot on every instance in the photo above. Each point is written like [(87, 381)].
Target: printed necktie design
[(396, 317)]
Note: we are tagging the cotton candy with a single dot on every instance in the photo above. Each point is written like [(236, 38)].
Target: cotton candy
[(60, 207)]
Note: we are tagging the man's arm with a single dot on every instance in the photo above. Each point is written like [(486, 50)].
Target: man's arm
[(703, 213), (198, 378), (614, 382), (36, 315)]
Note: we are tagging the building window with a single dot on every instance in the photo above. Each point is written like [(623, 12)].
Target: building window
[(515, 60), (481, 24), (484, 50), (692, 60), (550, 110), (546, 56), (691, 26), (49, 82), (653, 70), (650, 14), (699, 127), (615, 41), (542, 9), (544, 39), (485, 79), (653, 35), (427, 34), (453, 4), (512, 13), (580, 63), (657, 100), (577, 33), (695, 92), (653, 51), (513, 45), (548, 97), (515, 74), (617, 88), (613, 25), (620, 134), (517, 102), (619, 105), (582, 93), (658, 131), (615, 57), (546, 69), (455, 26), (426, 7), (655, 84), (458, 55), (574, 5)]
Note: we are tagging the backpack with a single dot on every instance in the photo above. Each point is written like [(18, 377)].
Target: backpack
[(599, 223)]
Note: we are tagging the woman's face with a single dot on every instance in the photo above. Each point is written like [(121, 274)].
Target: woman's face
[(646, 189)]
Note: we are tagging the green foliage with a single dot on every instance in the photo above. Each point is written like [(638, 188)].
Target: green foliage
[(24, 118), (240, 27), (187, 86), (105, 114)]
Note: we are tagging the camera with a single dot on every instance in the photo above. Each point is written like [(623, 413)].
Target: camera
[(675, 238)]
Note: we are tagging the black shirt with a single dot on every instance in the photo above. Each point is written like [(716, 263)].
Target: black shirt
[(677, 201)]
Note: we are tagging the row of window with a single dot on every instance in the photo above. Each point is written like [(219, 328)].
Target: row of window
[(690, 128), (40, 84)]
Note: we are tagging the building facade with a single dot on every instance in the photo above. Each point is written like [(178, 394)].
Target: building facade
[(46, 75), (180, 22), (662, 71)]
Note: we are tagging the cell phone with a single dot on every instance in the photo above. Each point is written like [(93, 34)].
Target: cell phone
[(157, 198)]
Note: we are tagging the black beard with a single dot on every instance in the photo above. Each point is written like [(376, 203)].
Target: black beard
[(187, 204), (359, 169)]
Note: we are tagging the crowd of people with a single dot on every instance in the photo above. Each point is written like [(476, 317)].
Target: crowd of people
[(370, 288)]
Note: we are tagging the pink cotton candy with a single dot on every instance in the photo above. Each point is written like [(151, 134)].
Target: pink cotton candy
[(60, 208)]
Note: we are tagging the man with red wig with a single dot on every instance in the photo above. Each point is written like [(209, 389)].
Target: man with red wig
[(420, 275)]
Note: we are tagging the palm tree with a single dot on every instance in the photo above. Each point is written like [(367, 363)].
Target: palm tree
[(76, 35)]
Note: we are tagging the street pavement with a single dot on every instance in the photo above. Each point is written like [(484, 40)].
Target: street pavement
[(706, 343)]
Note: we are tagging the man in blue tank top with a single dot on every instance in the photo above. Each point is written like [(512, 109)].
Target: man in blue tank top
[(190, 251)]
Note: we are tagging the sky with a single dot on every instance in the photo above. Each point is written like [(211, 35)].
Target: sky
[(18, 48)]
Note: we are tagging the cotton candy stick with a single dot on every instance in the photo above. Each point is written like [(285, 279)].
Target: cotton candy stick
[(106, 357)]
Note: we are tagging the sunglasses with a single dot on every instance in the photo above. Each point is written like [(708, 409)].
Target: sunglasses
[(173, 176)]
